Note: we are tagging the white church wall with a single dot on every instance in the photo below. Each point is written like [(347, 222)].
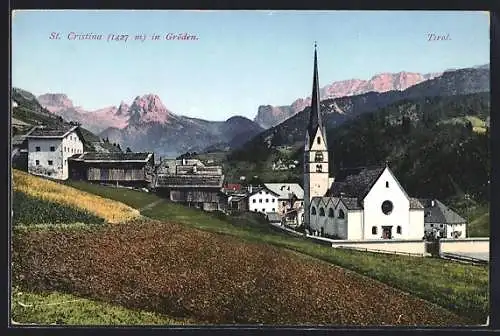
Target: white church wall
[(354, 224), (386, 189), (413, 247), (466, 245), (416, 228)]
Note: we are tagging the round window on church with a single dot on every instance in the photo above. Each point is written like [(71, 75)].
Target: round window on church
[(387, 207)]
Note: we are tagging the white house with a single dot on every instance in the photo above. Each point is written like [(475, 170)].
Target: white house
[(263, 200), (50, 148), (443, 221)]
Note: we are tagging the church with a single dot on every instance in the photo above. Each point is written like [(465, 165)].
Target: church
[(357, 204)]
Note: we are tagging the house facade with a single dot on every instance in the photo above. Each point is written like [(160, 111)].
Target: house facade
[(50, 148), (128, 169), (263, 200), (441, 221)]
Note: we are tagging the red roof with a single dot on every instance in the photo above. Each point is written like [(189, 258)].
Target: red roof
[(232, 186)]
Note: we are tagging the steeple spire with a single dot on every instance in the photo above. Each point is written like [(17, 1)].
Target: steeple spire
[(315, 114)]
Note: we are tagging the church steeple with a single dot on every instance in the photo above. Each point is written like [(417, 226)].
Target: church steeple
[(315, 114)]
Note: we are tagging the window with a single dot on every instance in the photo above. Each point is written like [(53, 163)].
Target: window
[(313, 210), (331, 213), (260, 200), (387, 207), (318, 157), (37, 162), (255, 210), (273, 209), (432, 225), (441, 225), (50, 162), (52, 149), (322, 212), (398, 229), (387, 184), (318, 140), (64, 148), (254, 200), (341, 214), (272, 200), (374, 230), (283, 203), (65, 162), (301, 203), (263, 210), (267, 200), (49, 173), (37, 148), (260, 192), (319, 168)]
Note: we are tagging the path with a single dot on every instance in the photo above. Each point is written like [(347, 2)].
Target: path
[(151, 205)]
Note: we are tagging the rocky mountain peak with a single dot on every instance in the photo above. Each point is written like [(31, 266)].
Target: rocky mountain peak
[(149, 109), (55, 101)]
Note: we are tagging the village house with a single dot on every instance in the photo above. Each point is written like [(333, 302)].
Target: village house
[(442, 221), (366, 203), (290, 201), (124, 169), (238, 202), (190, 182), (263, 200), (50, 148)]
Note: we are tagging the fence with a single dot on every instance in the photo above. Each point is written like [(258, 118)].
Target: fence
[(382, 251)]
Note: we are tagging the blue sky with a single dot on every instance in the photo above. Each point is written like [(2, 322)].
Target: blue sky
[(242, 59)]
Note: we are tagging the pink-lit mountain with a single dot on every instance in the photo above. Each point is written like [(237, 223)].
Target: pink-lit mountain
[(269, 116)]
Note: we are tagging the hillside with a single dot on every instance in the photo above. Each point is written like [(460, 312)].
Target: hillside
[(31, 113), (431, 153)]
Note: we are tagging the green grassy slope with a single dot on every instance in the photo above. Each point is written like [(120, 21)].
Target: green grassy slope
[(460, 288)]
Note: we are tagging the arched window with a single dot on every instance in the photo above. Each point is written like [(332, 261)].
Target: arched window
[(321, 212), (318, 157), (331, 213), (398, 229), (313, 211), (374, 230), (341, 214), (318, 140), (319, 168)]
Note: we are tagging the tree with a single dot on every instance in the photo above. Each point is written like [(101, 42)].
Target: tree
[(406, 125)]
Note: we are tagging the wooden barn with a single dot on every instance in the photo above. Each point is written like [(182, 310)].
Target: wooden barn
[(126, 169), (200, 191)]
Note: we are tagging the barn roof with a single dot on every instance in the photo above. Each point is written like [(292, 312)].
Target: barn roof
[(53, 132), (285, 189), (189, 181), (440, 213), (355, 183), (114, 157)]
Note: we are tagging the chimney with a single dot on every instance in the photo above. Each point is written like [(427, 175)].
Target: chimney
[(183, 161), (250, 188), (432, 203)]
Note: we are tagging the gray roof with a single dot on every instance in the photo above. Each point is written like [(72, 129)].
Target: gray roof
[(351, 203), (440, 213), (284, 190), (53, 132), (256, 190), (355, 183), (114, 157), (189, 181), (415, 203)]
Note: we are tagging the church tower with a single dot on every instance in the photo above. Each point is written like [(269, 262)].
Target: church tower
[(315, 150)]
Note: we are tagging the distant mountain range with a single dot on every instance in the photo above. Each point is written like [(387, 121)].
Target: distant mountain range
[(146, 124), (269, 116), (337, 111)]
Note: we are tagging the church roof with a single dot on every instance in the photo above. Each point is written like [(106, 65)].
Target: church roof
[(315, 121), (440, 213), (355, 183)]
